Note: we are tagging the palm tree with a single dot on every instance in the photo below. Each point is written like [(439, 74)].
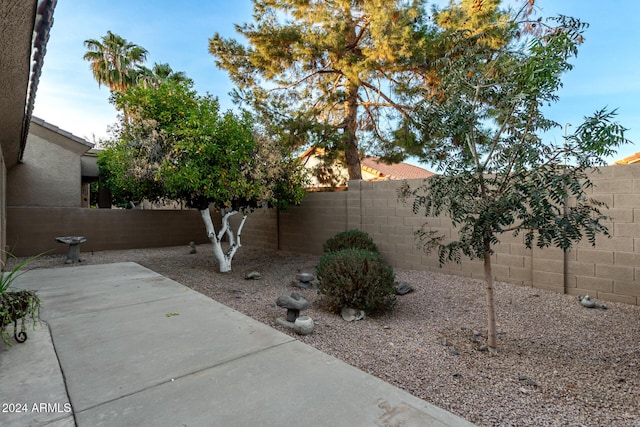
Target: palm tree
[(160, 73), (113, 61)]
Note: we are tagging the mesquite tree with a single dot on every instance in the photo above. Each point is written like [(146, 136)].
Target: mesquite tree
[(483, 132), (177, 145)]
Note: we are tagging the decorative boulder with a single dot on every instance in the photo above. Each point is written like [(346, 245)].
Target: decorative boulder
[(403, 288), (304, 280), (587, 301), (294, 304), (303, 325), (351, 314), (254, 275)]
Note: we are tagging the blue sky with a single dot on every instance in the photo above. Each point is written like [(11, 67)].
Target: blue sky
[(606, 71)]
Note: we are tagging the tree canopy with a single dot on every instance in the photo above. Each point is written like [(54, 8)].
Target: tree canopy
[(498, 174), (114, 61), (323, 73), (179, 145)]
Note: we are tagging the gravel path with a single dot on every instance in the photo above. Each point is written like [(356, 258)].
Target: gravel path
[(559, 364)]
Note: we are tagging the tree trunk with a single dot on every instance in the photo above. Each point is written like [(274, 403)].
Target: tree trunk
[(223, 258), (491, 314), (352, 156)]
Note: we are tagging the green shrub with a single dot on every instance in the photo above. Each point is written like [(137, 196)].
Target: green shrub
[(358, 279), (352, 239)]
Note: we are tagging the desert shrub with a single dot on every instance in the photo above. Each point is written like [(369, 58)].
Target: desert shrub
[(352, 239), (356, 278)]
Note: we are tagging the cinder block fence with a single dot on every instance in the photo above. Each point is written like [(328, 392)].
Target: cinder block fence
[(608, 271)]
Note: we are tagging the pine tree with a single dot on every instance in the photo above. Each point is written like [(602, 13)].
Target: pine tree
[(325, 72)]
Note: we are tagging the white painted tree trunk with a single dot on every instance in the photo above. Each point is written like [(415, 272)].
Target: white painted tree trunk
[(223, 257)]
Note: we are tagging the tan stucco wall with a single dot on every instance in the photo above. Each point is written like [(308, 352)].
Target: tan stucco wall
[(3, 208), (50, 173), (16, 27)]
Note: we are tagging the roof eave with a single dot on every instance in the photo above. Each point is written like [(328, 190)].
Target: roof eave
[(43, 21)]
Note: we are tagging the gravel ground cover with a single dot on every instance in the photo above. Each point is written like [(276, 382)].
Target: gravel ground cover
[(559, 364)]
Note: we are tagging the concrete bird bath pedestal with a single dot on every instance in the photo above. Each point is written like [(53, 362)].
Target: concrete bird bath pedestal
[(74, 247)]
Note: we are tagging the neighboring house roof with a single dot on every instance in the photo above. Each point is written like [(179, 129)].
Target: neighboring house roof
[(629, 160), (24, 32), (372, 168), (61, 132), (394, 171)]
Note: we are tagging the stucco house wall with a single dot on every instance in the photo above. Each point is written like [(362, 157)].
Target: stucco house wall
[(24, 32), (50, 172), (3, 207)]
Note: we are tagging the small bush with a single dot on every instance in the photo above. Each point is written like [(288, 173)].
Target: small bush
[(352, 239), (358, 279)]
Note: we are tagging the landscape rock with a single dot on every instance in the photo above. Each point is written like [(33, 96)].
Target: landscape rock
[(301, 285), (304, 280), (293, 303), (254, 275), (305, 277), (303, 325), (403, 288), (588, 302), (351, 314)]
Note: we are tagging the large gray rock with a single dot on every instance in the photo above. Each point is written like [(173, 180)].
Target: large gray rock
[(588, 302), (304, 280), (303, 325), (305, 277), (293, 303), (403, 288)]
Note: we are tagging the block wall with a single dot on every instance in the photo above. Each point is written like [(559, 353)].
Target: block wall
[(610, 270), (306, 227), (32, 230)]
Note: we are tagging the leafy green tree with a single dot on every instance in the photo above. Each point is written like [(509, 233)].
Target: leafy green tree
[(324, 72), (497, 173), (177, 145), (114, 61)]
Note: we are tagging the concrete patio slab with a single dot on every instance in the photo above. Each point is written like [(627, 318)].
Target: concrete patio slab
[(94, 296), (42, 278), (29, 377), (112, 353), (145, 350), (291, 384)]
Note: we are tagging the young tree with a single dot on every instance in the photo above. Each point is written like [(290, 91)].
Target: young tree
[(177, 145), (498, 175), (324, 72)]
